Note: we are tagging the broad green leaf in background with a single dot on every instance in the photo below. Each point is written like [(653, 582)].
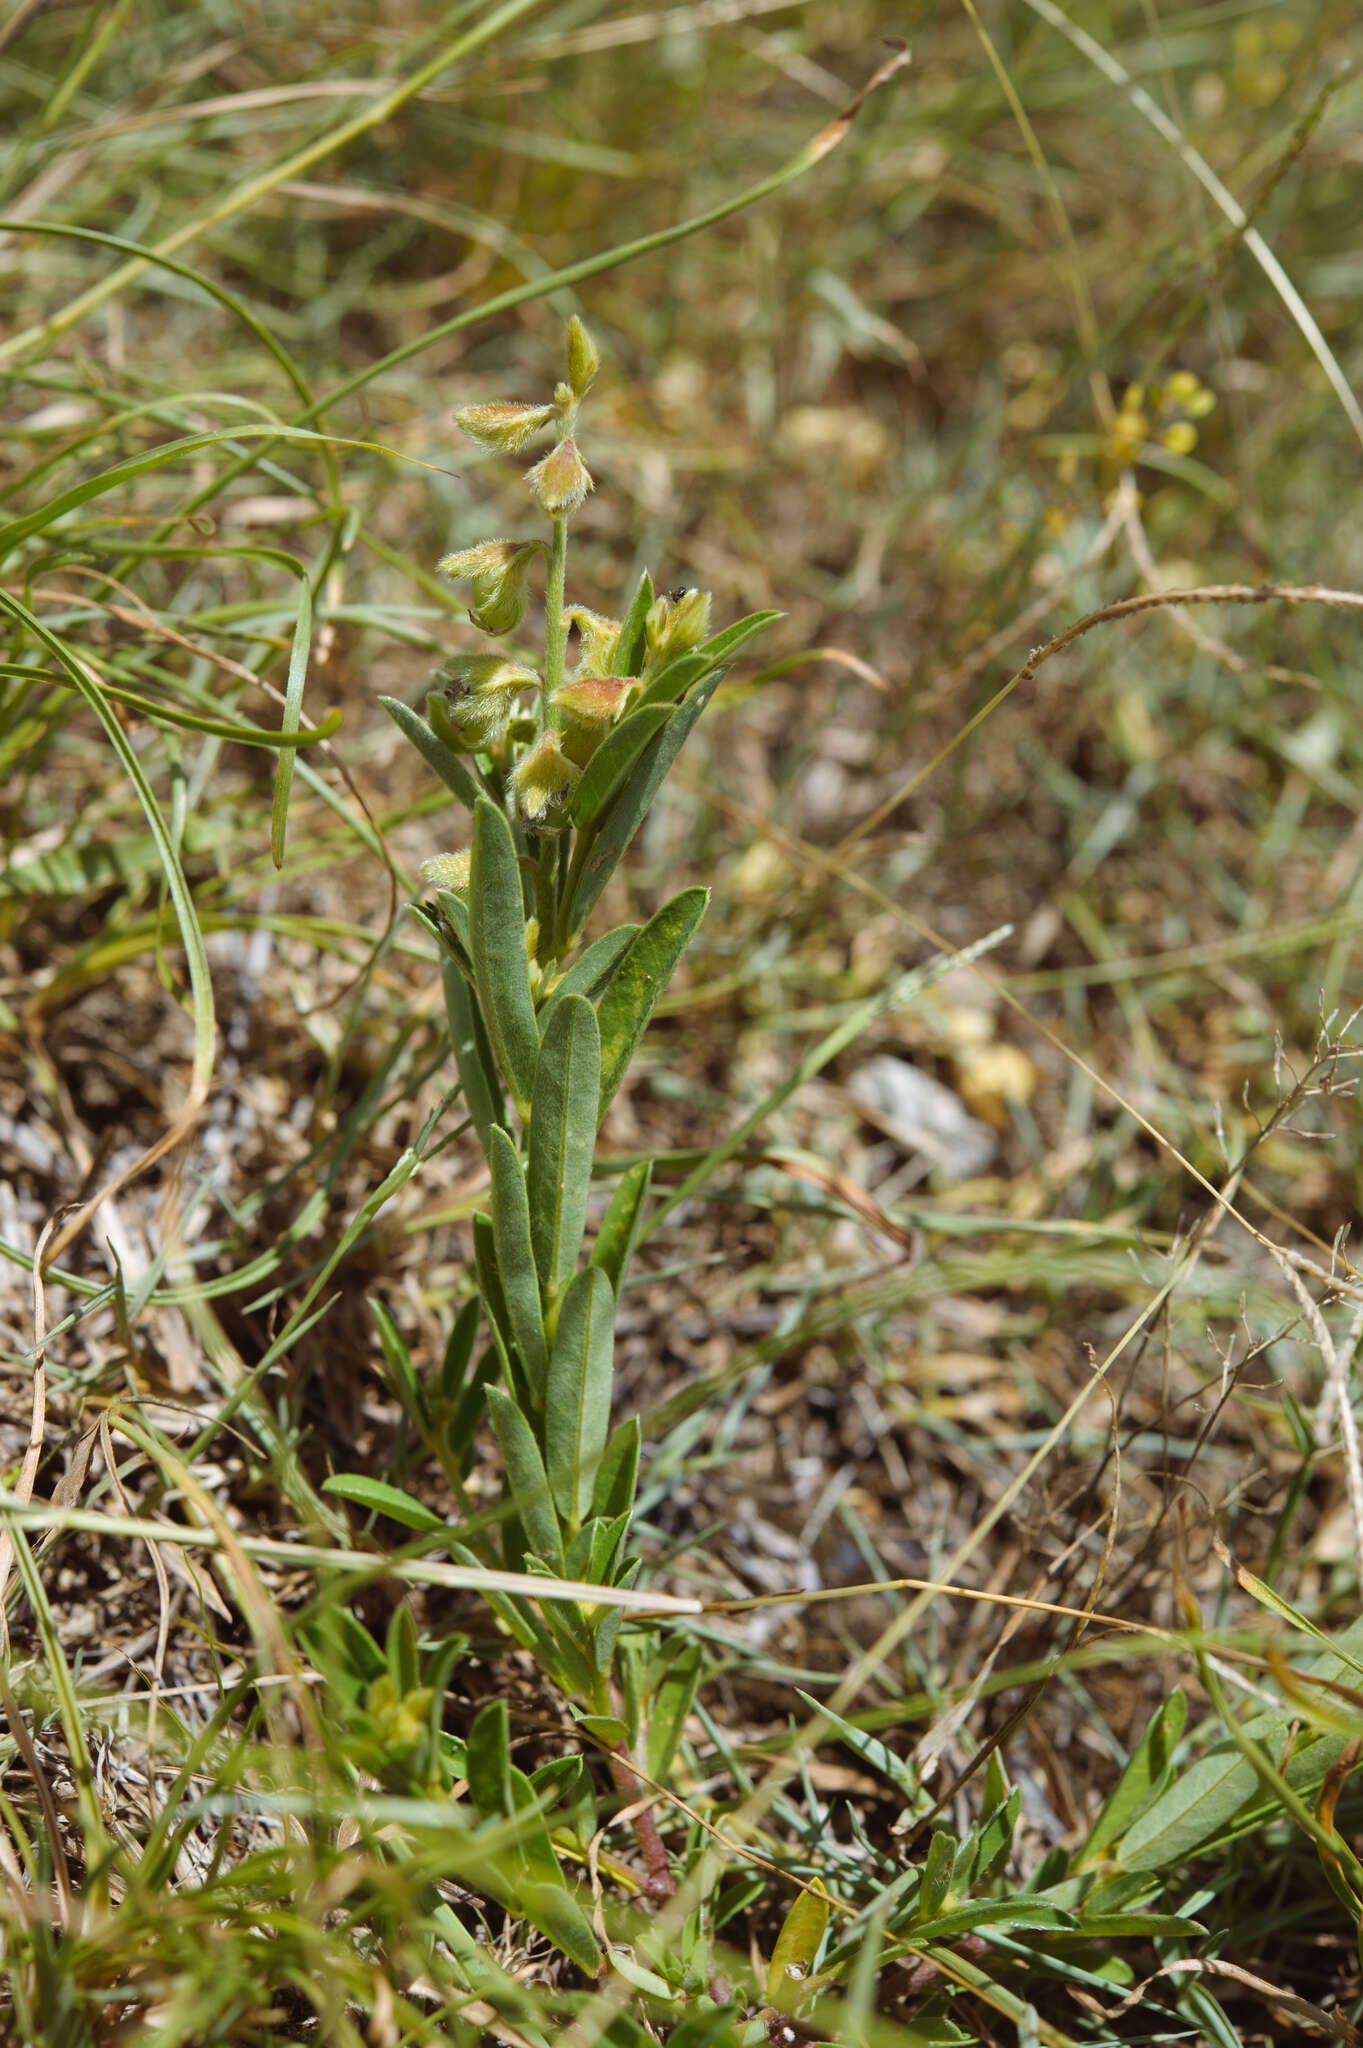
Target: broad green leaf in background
[(489, 1760), (620, 1224), (672, 1702), (577, 1399), (381, 1498), (797, 1945), (516, 1257), (1149, 1772), (638, 979), (563, 1119), (501, 965), (526, 1477)]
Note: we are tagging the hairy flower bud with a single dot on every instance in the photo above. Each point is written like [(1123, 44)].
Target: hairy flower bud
[(561, 481), (481, 693), (449, 871), (584, 358), (597, 640), (543, 782), (498, 569), (589, 706), (674, 625), (504, 428)]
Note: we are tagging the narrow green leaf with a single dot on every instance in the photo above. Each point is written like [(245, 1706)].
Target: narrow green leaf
[(516, 1258), (618, 1473), (555, 1912), (454, 924), (629, 648), (792, 1959), (613, 759), (490, 1287), (473, 1056), (601, 849), (1148, 1773), (672, 1702), (638, 979), (938, 1866), (381, 1498), (403, 1657), (462, 1427), (563, 1118), (402, 1373), (526, 1478), (577, 1400), (671, 683), (501, 967), (609, 1732), (291, 720), (489, 1761), (433, 751), (454, 1367), (620, 1224), (1003, 1914), (589, 972), (722, 646)]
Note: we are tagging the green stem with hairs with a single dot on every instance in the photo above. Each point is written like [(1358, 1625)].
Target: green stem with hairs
[(555, 625)]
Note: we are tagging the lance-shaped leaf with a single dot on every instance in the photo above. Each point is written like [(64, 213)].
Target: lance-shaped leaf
[(473, 1056), (433, 750), (638, 979), (577, 1398), (488, 1759), (629, 646), (797, 1945), (501, 967), (381, 1498), (600, 850), (672, 1702), (612, 761), (516, 1258), (618, 1473), (620, 1224), (590, 972), (526, 1479), (563, 1117), (554, 1910)]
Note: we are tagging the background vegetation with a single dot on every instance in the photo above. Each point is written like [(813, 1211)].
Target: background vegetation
[(1069, 316)]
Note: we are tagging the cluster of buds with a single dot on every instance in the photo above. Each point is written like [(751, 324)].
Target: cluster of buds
[(1165, 413), (541, 743)]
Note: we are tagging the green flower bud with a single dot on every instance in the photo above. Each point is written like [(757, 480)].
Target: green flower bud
[(498, 569), (597, 640), (481, 693), (504, 428), (584, 358), (448, 871), (674, 625), (543, 782), (590, 705), (561, 481)]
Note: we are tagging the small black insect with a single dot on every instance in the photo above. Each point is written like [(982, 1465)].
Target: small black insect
[(676, 596)]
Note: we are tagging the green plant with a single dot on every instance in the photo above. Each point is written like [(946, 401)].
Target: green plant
[(557, 768)]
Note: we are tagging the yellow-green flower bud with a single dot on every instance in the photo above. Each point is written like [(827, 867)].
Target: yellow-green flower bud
[(597, 640), (400, 1722), (498, 569), (674, 625), (504, 428), (543, 782), (481, 696), (589, 706), (1179, 437), (1181, 386), (449, 871), (561, 481), (584, 358)]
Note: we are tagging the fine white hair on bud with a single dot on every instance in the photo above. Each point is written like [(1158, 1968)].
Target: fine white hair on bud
[(561, 481), (504, 428)]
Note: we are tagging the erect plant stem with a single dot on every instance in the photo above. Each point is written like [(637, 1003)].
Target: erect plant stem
[(660, 1883), (555, 626)]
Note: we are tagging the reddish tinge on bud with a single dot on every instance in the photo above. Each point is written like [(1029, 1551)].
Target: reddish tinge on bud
[(504, 428), (561, 481), (589, 706)]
